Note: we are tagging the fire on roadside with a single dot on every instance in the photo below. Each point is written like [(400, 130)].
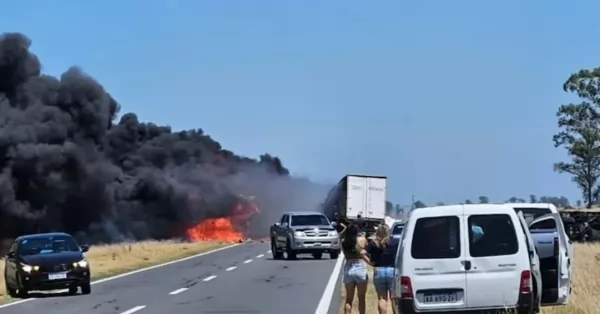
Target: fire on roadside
[(234, 227)]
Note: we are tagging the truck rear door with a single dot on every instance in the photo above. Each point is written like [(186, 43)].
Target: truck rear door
[(356, 196), (494, 275), (552, 240), (375, 198)]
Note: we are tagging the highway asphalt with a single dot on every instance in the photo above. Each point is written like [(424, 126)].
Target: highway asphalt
[(242, 279)]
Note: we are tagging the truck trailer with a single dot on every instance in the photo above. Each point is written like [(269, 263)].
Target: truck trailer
[(358, 196)]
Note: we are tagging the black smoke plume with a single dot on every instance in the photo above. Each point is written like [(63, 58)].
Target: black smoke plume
[(67, 166)]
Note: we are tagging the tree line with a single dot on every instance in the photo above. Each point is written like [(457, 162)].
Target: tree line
[(558, 201)]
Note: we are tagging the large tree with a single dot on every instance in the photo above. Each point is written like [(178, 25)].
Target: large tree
[(579, 134)]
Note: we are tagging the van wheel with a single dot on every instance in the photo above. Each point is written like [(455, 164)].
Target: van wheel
[(536, 300), (291, 254), (334, 254)]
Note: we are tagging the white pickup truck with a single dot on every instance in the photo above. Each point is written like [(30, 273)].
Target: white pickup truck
[(553, 248)]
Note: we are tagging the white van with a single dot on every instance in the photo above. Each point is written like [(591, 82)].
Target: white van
[(466, 257)]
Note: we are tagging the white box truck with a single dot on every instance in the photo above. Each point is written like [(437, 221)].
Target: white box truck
[(356, 196)]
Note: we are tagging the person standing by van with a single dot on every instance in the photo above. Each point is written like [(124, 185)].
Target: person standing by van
[(382, 252), (355, 269)]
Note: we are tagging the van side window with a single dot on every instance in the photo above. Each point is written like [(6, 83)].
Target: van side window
[(549, 223), (492, 235), (436, 238)]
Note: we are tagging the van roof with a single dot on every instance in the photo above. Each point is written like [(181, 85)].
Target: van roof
[(458, 209), (532, 205)]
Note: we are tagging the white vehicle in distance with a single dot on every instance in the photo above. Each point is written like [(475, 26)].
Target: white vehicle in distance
[(468, 257), (396, 229), (548, 232)]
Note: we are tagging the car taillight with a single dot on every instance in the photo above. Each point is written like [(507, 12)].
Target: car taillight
[(555, 246), (405, 287), (525, 286)]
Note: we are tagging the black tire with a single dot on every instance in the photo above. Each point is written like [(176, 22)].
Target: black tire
[(291, 254), (73, 290), (334, 254), (318, 255), (21, 291), (277, 254), (9, 291), (86, 288)]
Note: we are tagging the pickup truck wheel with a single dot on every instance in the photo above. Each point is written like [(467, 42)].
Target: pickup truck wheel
[(277, 254), (291, 254), (317, 255), (334, 254)]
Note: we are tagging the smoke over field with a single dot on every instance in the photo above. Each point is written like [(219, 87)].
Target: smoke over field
[(67, 165)]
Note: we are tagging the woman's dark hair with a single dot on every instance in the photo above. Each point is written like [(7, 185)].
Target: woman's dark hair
[(350, 238)]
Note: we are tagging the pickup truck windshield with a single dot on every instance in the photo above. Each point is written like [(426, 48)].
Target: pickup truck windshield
[(531, 214), (309, 220)]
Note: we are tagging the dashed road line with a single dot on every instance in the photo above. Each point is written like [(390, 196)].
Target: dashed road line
[(209, 278), (135, 309), (247, 261), (259, 256), (178, 291), (231, 268)]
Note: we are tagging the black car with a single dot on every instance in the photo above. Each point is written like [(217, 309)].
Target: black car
[(48, 261)]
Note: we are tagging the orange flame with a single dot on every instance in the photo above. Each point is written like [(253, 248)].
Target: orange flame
[(225, 228), (214, 229)]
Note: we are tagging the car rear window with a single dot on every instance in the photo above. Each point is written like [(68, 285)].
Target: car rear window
[(492, 235), (547, 223), (397, 229), (436, 238)]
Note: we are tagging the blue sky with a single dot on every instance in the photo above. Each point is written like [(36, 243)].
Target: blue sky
[(450, 99)]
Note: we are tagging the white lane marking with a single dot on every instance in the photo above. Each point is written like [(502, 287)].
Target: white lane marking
[(231, 268), (178, 291), (135, 309), (269, 252), (247, 261), (259, 256), (325, 302), (136, 271), (209, 278)]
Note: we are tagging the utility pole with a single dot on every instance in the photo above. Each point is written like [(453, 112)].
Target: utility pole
[(412, 206)]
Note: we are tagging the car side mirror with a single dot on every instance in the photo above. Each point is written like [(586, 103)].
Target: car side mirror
[(11, 255), (84, 248), (334, 224)]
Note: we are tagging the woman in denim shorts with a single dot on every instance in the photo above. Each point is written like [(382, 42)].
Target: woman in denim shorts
[(355, 269), (382, 252)]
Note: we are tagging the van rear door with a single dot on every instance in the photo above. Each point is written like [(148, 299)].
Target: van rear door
[(541, 229), (496, 259), (432, 261)]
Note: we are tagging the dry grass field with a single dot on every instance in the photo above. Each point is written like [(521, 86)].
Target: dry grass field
[(108, 260), (586, 285)]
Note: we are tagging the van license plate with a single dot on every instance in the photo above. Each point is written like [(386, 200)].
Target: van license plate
[(440, 298), (57, 276)]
